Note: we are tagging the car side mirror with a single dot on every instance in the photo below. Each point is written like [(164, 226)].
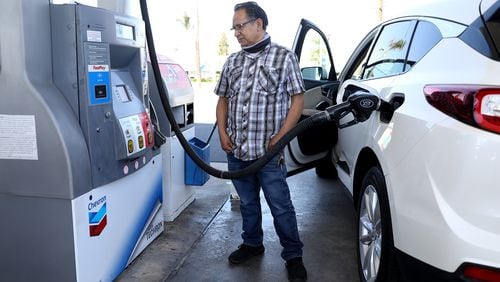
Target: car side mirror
[(313, 73)]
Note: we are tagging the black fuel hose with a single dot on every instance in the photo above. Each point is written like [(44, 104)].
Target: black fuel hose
[(333, 113)]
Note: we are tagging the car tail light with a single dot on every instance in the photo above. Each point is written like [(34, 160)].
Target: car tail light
[(487, 109), (480, 273), (475, 105)]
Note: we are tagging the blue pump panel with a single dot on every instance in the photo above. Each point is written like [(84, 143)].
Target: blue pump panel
[(98, 78)]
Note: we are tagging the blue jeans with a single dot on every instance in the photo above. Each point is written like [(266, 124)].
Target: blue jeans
[(272, 179)]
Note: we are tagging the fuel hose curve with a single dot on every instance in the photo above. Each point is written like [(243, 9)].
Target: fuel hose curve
[(332, 114)]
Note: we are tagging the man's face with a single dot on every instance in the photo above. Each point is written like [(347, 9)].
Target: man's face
[(248, 31)]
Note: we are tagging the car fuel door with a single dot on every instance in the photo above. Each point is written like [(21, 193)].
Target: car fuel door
[(321, 84)]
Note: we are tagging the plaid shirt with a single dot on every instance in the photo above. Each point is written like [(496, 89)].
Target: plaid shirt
[(258, 87)]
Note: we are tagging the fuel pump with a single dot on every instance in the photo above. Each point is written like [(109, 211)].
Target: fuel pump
[(80, 179), (177, 195)]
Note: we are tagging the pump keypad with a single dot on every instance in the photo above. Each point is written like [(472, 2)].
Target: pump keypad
[(100, 91), (132, 130)]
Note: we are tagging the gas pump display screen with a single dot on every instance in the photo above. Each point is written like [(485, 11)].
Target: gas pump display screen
[(122, 93), (125, 31)]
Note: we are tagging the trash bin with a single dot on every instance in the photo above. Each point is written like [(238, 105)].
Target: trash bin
[(193, 174)]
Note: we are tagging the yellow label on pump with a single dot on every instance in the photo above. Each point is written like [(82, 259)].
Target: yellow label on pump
[(130, 146), (141, 141), (150, 138)]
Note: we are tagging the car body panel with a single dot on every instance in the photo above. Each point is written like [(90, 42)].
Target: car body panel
[(457, 171), (399, 152), (441, 174)]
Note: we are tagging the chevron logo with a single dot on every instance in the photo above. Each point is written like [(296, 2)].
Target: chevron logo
[(97, 220)]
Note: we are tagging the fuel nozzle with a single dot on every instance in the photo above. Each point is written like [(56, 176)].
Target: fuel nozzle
[(360, 104), (363, 104)]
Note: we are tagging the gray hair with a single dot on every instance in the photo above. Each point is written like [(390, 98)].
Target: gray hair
[(254, 11)]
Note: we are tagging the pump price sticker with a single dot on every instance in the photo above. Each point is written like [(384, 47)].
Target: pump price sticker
[(93, 36), (18, 137)]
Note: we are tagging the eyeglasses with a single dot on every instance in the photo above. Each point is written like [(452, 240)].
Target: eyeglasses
[(239, 27)]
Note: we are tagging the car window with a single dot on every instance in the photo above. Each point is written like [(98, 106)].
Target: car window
[(314, 59), (354, 66), (358, 69), (388, 56), (426, 36)]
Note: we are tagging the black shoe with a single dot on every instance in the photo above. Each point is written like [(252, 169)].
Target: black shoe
[(244, 253), (296, 270)]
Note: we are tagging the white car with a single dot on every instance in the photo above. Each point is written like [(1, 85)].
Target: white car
[(424, 179)]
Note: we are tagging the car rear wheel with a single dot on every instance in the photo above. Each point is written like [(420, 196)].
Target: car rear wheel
[(375, 245)]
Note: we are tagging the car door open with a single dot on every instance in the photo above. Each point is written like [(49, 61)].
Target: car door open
[(320, 80)]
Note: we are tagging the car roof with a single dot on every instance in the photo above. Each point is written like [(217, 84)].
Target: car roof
[(461, 11)]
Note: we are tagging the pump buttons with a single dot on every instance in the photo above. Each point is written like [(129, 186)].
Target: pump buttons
[(141, 141), (150, 138), (130, 146)]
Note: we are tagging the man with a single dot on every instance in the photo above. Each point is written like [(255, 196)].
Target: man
[(260, 99)]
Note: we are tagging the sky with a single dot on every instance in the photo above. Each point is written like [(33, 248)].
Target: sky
[(344, 22)]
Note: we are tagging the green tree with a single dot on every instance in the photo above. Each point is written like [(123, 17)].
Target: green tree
[(315, 55), (400, 44), (185, 22), (223, 45)]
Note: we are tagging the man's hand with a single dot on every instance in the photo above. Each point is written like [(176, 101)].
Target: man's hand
[(221, 113), (296, 106), (225, 142), (273, 141)]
